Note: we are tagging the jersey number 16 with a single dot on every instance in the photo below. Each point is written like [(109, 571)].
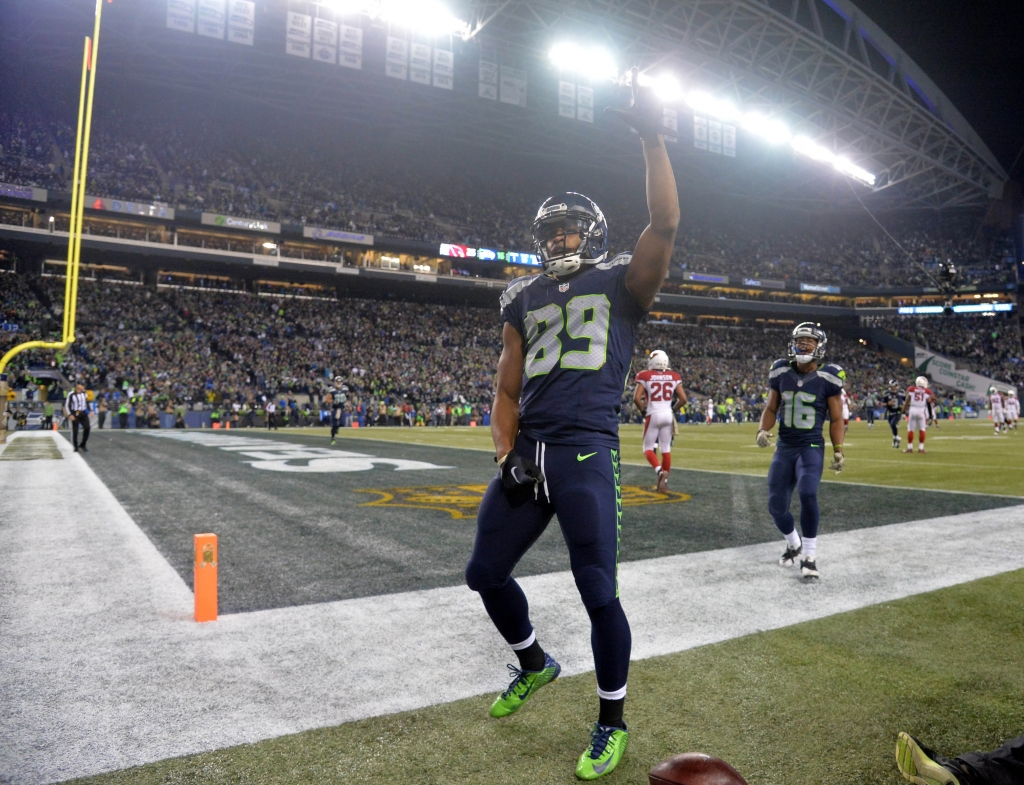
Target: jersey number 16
[(795, 414)]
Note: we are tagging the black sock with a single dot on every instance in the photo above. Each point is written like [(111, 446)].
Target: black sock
[(531, 658), (611, 712)]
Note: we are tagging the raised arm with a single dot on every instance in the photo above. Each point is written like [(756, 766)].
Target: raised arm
[(509, 384), (649, 265)]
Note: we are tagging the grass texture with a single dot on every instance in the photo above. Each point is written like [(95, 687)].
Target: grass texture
[(819, 702)]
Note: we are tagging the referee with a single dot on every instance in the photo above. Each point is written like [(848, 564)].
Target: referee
[(76, 409)]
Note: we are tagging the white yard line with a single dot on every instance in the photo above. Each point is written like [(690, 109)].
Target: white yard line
[(102, 667)]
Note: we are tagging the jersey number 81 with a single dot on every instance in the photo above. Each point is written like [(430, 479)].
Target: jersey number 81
[(586, 317)]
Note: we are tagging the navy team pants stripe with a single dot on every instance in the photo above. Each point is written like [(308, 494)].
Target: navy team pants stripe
[(586, 496), (795, 467)]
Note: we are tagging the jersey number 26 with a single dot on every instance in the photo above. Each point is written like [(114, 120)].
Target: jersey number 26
[(586, 317)]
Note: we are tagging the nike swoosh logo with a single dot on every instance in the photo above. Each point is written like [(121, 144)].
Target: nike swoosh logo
[(513, 473), (600, 769), (584, 457)]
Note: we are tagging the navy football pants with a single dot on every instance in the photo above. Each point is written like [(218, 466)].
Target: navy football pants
[(799, 468), (894, 423), (586, 496)]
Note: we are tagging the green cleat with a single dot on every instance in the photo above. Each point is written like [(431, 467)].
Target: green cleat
[(602, 755), (524, 684), (915, 763)]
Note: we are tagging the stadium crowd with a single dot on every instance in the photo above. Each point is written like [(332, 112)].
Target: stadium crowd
[(989, 345), (174, 349), (274, 176)]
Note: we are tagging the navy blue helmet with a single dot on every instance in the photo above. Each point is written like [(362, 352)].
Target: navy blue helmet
[(570, 213), (807, 330)]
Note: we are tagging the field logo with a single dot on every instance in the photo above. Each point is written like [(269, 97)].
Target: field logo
[(463, 501), (274, 456)]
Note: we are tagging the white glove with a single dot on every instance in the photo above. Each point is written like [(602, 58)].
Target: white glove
[(763, 438), (838, 461)]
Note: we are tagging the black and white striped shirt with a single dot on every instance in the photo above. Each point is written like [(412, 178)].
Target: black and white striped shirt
[(75, 402)]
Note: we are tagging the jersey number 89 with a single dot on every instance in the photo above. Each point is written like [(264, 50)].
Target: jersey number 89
[(586, 317)]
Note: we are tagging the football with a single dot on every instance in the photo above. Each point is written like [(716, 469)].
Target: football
[(695, 768)]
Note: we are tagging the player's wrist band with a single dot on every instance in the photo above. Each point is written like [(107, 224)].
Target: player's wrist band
[(501, 460)]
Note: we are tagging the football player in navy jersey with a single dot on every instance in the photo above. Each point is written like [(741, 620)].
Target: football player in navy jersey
[(892, 400), (567, 345), (802, 394)]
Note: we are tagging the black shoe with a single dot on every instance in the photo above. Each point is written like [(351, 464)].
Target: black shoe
[(76, 449), (809, 569), (84, 448), (789, 557)]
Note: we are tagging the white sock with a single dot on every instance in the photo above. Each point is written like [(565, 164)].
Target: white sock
[(810, 545), (793, 540)]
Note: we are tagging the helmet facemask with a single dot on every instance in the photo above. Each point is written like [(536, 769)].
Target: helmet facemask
[(552, 239), (812, 331), (560, 218)]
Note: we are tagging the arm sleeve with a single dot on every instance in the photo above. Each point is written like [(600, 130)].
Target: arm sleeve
[(774, 379), (632, 308), (512, 314)]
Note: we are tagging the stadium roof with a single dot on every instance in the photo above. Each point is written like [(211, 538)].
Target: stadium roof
[(820, 65)]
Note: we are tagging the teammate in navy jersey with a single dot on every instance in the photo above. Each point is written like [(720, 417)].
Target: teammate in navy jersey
[(805, 394), (567, 344), (892, 400)]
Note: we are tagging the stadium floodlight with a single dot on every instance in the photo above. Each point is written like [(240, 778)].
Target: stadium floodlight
[(807, 146), (846, 166), (718, 108), (665, 86), (592, 62), (773, 131), (428, 17)]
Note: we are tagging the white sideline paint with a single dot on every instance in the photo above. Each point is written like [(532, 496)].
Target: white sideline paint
[(102, 667)]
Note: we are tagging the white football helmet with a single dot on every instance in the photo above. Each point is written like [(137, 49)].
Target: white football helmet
[(657, 361), (921, 381)]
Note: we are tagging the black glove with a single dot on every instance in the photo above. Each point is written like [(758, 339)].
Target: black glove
[(646, 114), (518, 472)]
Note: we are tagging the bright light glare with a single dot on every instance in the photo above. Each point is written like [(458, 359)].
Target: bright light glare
[(771, 130), (812, 149), (715, 107), (428, 17), (845, 166), (593, 63), (665, 86)]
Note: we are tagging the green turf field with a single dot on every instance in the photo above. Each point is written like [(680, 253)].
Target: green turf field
[(819, 702), (962, 455), (812, 704), (363, 533)]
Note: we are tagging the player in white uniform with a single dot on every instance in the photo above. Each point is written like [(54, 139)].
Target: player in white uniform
[(1012, 413), (711, 410), (995, 400), (657, 391), (916, 407), (846, 410)]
